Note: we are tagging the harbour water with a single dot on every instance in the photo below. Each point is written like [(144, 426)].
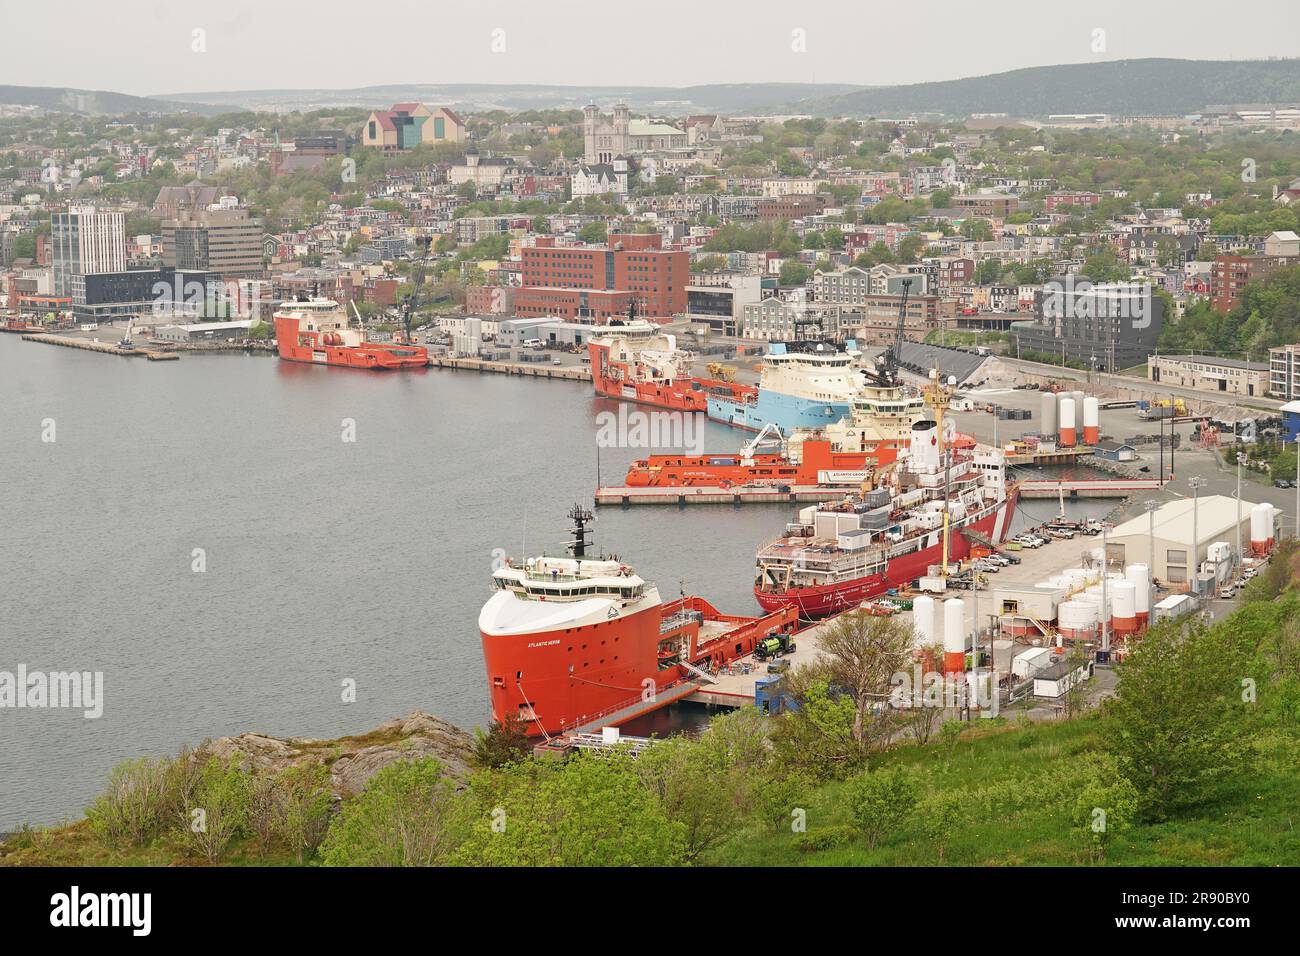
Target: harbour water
[(325, 561)]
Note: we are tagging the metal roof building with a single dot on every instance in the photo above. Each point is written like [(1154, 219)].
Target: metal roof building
[(1175, 550)]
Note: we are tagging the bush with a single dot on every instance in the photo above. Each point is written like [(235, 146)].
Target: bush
[(217, 809), (132, 810), (827, 838), (880, 801), (405, 817)]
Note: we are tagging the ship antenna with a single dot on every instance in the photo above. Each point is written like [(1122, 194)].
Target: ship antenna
[(579, 516)]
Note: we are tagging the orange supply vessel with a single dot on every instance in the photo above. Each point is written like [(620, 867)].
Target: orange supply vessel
[(636, 361), (316, 330), (573, 641)]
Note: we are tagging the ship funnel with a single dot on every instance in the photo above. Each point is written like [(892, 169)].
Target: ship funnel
[(925, 446)]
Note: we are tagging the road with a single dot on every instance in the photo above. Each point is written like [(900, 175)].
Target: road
[(1152, 389)]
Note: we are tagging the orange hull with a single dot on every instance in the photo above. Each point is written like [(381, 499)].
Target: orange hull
[(674, 471), (310, 347), (622, 380)]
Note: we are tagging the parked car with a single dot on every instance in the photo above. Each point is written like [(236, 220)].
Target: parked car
[(1283, 483)]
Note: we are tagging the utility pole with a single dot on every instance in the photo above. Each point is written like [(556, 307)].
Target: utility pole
[(1196, 484), (1237, 558), (1151, 507), (1105, 621)]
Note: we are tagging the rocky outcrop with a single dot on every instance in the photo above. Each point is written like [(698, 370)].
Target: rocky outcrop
[(352, 761)]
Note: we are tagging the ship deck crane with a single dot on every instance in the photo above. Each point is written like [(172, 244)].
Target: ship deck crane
[(892, 357)]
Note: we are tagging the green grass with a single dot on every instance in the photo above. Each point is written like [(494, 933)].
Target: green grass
[(1249, 821)]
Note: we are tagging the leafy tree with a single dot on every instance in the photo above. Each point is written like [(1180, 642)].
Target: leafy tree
[(1179, 712), (505, 741), (863, 653), (593, 232), (940, 815), (793, 272), (406, 816), (880, 802)]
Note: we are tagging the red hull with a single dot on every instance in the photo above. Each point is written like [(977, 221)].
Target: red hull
[(813, 602), (558, 680)]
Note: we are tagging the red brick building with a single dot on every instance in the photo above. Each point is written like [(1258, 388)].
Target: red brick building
[(593, 283), (1230, 273)]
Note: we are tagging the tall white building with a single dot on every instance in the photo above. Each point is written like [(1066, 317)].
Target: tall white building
[(84, 242)]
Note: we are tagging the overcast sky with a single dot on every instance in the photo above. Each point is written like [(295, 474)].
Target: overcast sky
[(145, 47)]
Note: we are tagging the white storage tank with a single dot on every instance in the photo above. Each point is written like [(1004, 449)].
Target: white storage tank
[(1067, 430), (1077, 620), (954, 636), (1261, 528), (923, 619), (1139, 576), (1048, 414), (1091, 420), (1123, 608)]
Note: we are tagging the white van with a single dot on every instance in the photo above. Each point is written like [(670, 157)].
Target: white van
[(532, 343)]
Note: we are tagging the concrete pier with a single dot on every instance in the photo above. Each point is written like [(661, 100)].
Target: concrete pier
[(570, 373)]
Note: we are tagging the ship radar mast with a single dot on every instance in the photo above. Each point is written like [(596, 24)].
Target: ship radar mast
[(580, 532)]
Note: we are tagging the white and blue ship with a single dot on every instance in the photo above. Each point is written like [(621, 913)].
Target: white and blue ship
[(803, 385)]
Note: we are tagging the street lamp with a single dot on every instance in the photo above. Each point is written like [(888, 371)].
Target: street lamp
[(1196, 485)]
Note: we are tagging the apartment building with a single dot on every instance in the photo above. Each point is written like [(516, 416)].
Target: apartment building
[(1284, 372), (1231, 273), (85, 241)]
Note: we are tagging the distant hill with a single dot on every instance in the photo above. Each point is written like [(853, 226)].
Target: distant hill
[(95, 102), (1152, 86), (479, 97)]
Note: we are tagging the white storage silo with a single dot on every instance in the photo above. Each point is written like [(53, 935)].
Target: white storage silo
[(1123, 608), (1066, 433), (1077, 397), (923, 619), (954, 636), (1261, 528), (1139, 575), (1047, 426), (1091, 420)]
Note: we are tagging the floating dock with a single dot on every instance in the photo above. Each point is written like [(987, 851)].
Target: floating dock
[(767, 495), (104, 347), (570, 373)]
